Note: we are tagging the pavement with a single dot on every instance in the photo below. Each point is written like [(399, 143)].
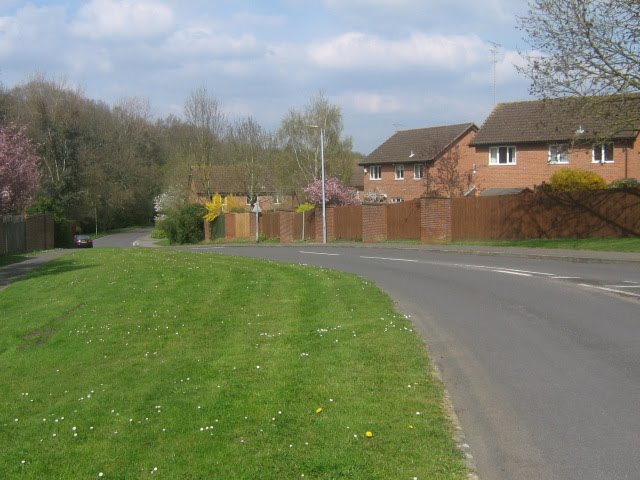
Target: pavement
[(15, 271)]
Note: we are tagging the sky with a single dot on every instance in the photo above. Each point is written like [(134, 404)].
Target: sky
[(388, 64)]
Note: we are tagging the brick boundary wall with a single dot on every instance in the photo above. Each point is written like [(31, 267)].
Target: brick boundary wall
[(435, 220), (331, 231), (374, 222)]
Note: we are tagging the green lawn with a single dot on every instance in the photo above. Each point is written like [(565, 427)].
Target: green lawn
[(170, 364), (602, 244)]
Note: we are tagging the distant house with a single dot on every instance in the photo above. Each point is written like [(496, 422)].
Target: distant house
[(205, 182), (522, 144), (399, 169)]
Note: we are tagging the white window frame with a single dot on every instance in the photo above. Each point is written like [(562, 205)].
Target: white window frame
[(375, 172), (494, 155), (601, 149), (559, 154), (275, 199), (399, 169), (397, 200), (418, 171)]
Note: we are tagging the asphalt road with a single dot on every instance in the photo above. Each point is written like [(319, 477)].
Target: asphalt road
[(541, 357)]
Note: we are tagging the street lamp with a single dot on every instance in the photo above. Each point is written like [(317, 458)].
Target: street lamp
[(324, 198)]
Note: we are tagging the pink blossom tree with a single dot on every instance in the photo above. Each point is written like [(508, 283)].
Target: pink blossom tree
[(19, 176), (336, 193)]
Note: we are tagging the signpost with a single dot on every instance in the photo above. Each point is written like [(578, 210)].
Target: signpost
[(257, 210)]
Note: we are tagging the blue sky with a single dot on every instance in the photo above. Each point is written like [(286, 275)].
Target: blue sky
[(389, 64)]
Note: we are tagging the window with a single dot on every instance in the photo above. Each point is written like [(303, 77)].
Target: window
[(502, 156), (397, 200), (251, 199), (418, 171), (400, 172), (559, 153), (275, 199), (375, 172), (603, 153)]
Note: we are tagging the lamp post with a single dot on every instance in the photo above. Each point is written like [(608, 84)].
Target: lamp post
[(324, 198)]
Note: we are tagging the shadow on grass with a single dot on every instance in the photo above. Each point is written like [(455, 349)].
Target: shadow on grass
[(34, 267)]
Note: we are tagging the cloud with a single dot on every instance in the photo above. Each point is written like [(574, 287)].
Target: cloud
[(366, 102), (248, 19), (103, 19), (198, 41), (357, 50)]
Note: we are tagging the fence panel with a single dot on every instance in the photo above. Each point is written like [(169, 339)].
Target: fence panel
[(304, 222), (602, 213), (348, 222), (270, 224), (403, 220), (14, 230)]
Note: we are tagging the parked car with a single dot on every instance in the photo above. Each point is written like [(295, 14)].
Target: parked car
[(82, 241)]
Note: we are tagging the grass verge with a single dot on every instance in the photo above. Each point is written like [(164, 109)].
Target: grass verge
[(169, 364), (601, 244)]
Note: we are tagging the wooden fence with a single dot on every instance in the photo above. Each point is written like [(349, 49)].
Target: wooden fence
[(601, 213), (19, 234), (403, 220), (270, 224), (304, 226), (604, 213), (348, 223)]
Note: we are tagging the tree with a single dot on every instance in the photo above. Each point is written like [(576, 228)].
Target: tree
[(19, 176), (251, 148), (336, 193), (302, 142), (445, 179), (582, 47), (206, 118)]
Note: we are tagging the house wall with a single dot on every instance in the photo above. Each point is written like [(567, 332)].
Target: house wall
[(411, 188), (532, 166)]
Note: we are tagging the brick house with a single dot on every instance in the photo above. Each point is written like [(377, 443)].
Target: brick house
[(399, 169), (227, 180), (522, 144)]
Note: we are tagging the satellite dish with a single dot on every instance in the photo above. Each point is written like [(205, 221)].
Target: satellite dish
[(411, 155)]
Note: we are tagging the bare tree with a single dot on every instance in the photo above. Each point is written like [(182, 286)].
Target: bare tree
[(445, 179), (583, 47), (207, 120), (251, 149)]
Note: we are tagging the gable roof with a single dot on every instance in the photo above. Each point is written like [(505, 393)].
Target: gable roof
[(561, 119), (426, 144)]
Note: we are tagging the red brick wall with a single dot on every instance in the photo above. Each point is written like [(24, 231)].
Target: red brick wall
[(435, 220), (374, 222), (331, 232), (532, 166)]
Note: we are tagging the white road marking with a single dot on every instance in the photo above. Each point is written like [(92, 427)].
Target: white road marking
[(513, 272), (609, 290), (565, 278), (392, 259), (623, 286), (321, 253)]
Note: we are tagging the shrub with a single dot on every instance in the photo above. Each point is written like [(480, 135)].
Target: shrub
[(571, 180), (625, 183), (185, 224)]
